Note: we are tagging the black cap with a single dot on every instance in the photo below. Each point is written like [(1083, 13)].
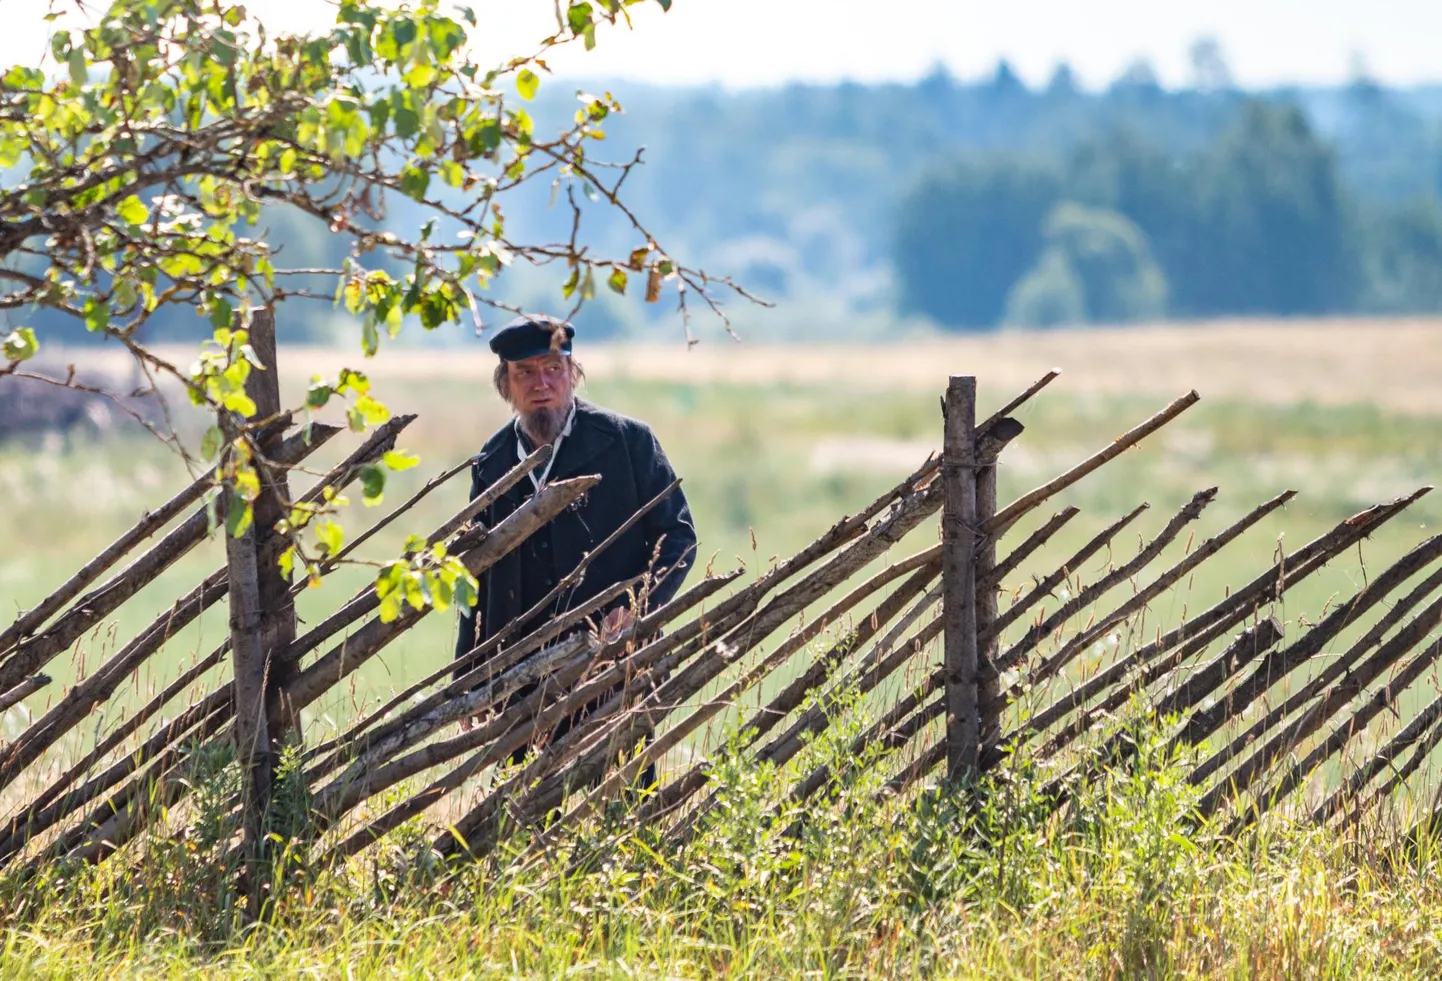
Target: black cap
[(531, 336)]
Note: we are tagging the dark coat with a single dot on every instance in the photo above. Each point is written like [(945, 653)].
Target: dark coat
[(633, 469)]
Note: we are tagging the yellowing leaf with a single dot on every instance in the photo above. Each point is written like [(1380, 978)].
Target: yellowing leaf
[(399, 460), (527, 83), (132, 210), (331, 536)]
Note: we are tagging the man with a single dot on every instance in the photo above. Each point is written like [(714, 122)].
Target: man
[(537, 376)]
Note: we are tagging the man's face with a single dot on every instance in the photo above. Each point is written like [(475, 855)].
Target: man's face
[(542, 382)]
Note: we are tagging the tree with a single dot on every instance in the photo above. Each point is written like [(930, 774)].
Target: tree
[(1210, 70), (965, 233), (144, 171), (1274, 220), (1403, 265), (1122, 173), (1097, 267), (1050, 295)]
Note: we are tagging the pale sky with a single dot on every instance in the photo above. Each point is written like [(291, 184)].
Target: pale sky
[(742, 43)]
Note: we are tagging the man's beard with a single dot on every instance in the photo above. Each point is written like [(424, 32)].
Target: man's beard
[(543, 425)]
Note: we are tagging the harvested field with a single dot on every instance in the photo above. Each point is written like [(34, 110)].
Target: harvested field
[(1392, 364)]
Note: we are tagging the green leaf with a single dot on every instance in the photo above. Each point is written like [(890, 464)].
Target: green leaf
[(414, 182), (579, 17), (388, 580), (318, 394), (665, 4), (124, 296), (399, 460), (97, 315), (415, 592), (247, 482), (465, 585), (331, 537), (20, 344), (211, 442), (222, 314), (441, 593), (486, 138), (527, 82), (373, 484), (238, 516), (617, 281), (79, 73), (132, 211), (419, 76)]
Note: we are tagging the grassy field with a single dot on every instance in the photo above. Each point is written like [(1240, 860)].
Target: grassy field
[(774, 445)]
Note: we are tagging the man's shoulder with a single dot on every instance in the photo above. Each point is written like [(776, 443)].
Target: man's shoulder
[(593, 415)]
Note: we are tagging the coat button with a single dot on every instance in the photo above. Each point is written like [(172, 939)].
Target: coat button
[(545, 544)]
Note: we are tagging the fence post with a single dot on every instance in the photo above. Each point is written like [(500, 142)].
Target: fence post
[(958, 570), (262, 618), (277, 604), (988, 682)]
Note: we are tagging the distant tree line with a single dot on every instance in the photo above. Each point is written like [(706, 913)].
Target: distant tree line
[(1256, 221), (977, 203)]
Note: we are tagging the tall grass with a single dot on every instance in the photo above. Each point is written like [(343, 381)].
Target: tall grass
[(991, 880)]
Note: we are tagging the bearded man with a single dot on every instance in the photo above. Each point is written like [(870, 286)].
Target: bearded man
[(537, 377)]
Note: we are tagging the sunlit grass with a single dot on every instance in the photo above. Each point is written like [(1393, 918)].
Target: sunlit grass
[(1122, 883)]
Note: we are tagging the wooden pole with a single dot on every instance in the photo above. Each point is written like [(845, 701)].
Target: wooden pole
[(958, 570), (987, 583), (277, 599), (251, 727), (987, 609), (262, 619)]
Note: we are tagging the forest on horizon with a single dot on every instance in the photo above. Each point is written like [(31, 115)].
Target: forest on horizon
[(863, 210)]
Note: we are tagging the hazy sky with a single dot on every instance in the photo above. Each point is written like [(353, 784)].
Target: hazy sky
[(764, 42)]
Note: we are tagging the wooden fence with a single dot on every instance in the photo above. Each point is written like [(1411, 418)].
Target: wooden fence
[(954, 679)]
